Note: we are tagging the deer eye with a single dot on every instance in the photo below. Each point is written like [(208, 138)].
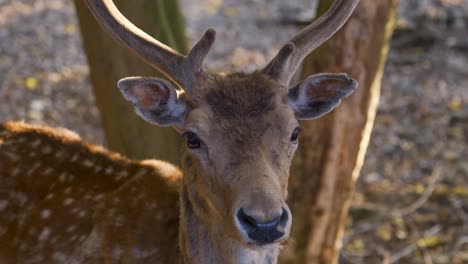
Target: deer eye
[(193, 142), (295, 134)]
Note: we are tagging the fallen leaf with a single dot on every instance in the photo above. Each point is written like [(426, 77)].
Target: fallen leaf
[(31, 83), (69, 28), (384, 232), (419, 188), (460, 190), (450, 155), (456, 132), (231, 12), (356, 245), (455, 105), (430, 241)]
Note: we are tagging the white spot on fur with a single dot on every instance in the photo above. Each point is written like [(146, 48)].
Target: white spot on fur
[(59, 256), (117, 253), (3, 204), (68, 201), (98, 168), (36, 143), (71, 228), (75, 157), (62, 177), (48, 171), (87, 163), (19, 197), (36, 259), (121, 175), (22, 140), (45, 213), (47, 149), (109, 170), (82, 214), (23, 246), (60, 154), (141, 172), (12, 156), (67, 190), (16, 171), (3, 230), (143, 253), (82, 237), (98, 197), (44, 234), (34, 167)]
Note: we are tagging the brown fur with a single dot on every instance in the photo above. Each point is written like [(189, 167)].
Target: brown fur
[(64, 201), (240, 96), (238, 104), (245, 126)]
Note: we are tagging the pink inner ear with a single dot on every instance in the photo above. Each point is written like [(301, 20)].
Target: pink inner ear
[(150, 96), (325, 89)]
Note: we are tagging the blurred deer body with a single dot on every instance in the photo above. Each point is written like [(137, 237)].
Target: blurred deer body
[(63, 201), (241, 132)]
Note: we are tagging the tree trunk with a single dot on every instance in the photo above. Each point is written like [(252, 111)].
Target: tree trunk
[(332, 149), (125, 132)]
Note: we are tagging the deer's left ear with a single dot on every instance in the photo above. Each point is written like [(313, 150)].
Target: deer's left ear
[(155, 100), (319, 94)]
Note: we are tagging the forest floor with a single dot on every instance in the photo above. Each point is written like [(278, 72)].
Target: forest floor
[(411, 203)]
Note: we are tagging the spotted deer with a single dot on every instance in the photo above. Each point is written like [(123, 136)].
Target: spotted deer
[(75, 203), (65, 201)]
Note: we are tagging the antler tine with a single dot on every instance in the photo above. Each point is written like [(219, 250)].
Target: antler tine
[(185, 71), (282, 67), (200, 50)]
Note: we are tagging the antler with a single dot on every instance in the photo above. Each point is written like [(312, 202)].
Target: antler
[(186, 71), (285, 64)]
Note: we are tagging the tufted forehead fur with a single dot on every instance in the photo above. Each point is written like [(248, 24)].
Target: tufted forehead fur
[(240, 104)]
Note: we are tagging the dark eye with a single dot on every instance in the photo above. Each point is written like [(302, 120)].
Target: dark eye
[(193, 141), (295, 134)]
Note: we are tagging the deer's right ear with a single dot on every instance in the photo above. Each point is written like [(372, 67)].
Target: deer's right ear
[(156, 100)]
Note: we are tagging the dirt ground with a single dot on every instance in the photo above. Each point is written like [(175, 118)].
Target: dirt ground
[(411, 204)]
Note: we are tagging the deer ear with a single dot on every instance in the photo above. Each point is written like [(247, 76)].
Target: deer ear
[(319, 94), (156, 100)]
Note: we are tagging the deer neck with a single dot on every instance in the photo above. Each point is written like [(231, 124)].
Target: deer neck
[(201, 243)]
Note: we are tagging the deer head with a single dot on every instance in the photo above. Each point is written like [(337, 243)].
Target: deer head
[(241, 129)]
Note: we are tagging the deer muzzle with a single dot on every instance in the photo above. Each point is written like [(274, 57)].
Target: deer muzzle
[(262, 220)]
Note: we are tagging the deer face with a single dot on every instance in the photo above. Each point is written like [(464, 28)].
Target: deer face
[(241, 133), (239, 140)]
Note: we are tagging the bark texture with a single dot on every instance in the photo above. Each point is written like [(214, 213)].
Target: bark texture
[(332, 149), (125, 132)]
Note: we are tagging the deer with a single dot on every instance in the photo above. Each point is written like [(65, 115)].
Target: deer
[(56, 191), (241, 132)]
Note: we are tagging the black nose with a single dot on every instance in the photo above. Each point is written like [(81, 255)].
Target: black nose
[(265, 232)]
